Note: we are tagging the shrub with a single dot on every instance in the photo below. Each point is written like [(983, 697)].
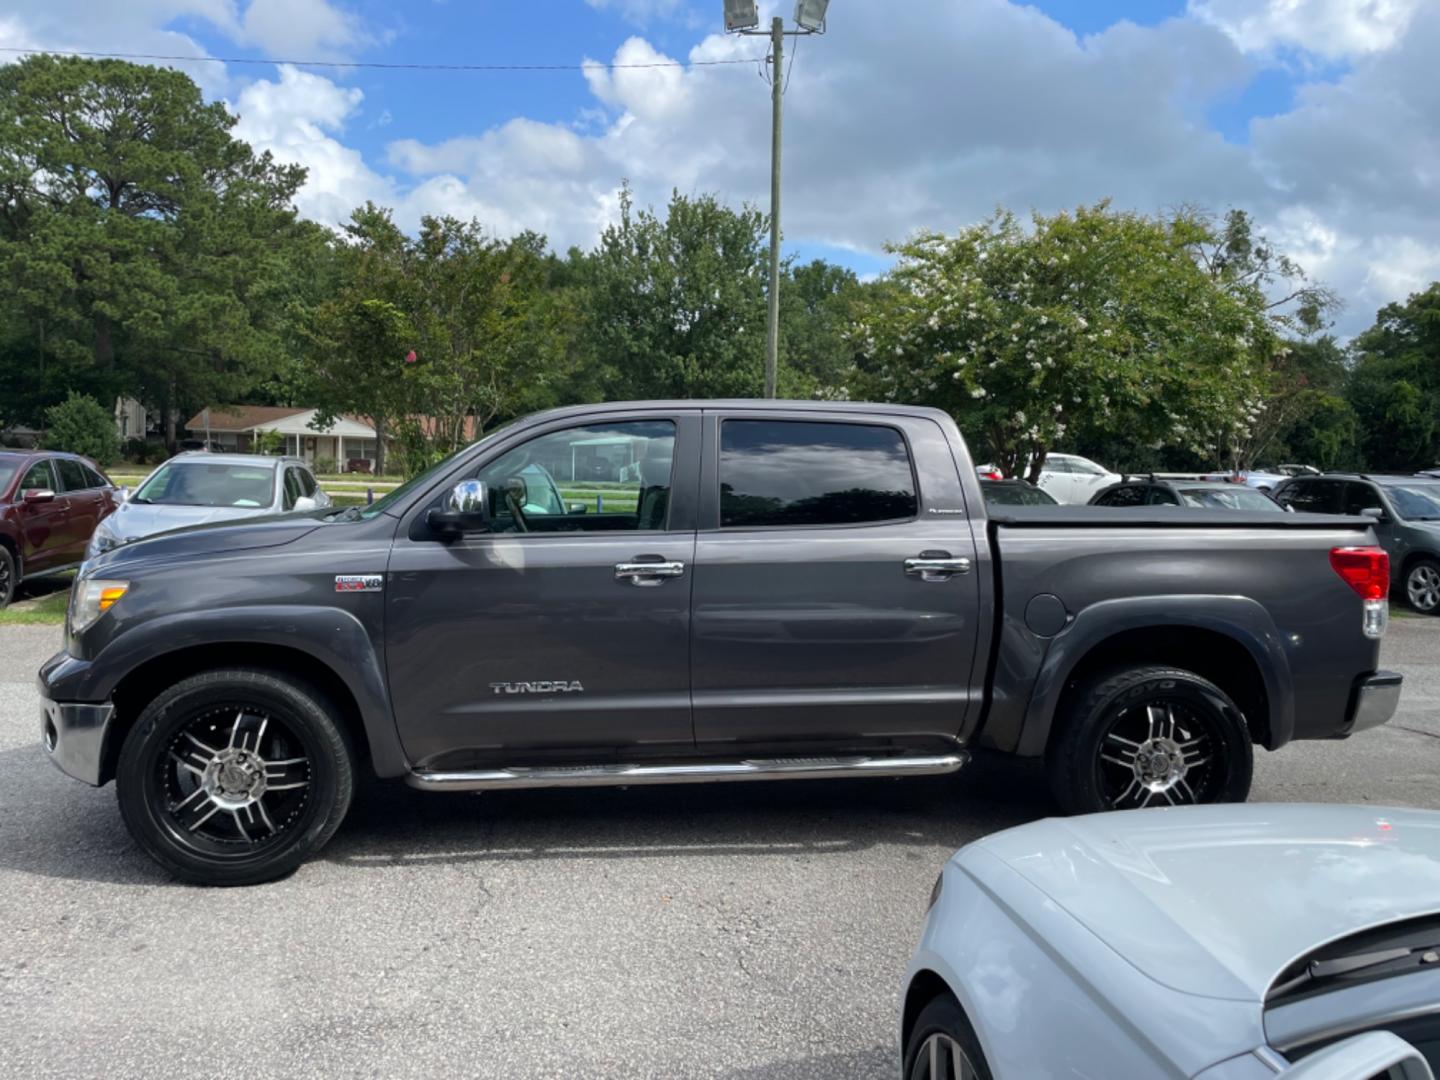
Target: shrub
[(324, 466), (81, 425)]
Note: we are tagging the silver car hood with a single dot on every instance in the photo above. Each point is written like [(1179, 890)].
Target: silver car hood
[(1218, 900), (133, 521)]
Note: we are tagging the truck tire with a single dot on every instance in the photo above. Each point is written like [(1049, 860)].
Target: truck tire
[(1422, 586), (235, 777), (1148, 736), (943, 1044)]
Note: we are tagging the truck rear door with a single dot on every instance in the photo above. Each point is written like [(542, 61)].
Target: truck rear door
[(835, 596)]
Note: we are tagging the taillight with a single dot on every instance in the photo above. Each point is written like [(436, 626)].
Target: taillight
[(993, 474), (1365, 569)]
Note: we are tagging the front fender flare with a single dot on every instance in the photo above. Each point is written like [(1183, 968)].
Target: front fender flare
[(330, 636), (1239, 618)]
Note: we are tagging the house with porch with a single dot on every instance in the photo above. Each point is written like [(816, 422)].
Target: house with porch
[(236, 429)]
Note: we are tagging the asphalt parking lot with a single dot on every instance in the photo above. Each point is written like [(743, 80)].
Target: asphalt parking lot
[(738, 931)]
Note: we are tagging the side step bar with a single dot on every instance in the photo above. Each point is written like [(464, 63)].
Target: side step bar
[(624, 775)]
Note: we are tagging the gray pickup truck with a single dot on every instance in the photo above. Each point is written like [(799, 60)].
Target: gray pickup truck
[(694, 592)]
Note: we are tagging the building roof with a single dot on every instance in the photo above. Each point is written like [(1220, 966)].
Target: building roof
[(241, 417)]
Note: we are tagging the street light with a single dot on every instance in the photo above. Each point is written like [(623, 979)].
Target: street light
[(741, 17)]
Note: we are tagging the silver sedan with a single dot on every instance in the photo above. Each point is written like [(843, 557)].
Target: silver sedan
[(1215, 942), (201, 488)]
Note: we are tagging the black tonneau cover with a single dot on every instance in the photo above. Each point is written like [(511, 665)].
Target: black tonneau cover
[(1165, 517)]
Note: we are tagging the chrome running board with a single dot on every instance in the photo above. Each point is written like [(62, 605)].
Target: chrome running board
[(814, 768)]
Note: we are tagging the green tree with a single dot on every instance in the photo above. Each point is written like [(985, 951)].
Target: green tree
[(1395, 386), (81, 425), (818, 303), (136, 234), (1083, 325), (677, 304)]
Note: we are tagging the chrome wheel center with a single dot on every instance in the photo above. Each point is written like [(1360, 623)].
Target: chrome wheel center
[(234, 778), (1159, 764)]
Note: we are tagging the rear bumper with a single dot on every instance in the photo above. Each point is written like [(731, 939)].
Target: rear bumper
[(75, 736), (1375, 700)]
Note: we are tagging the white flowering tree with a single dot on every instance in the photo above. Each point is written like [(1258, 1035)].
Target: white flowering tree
[(1084, 323)]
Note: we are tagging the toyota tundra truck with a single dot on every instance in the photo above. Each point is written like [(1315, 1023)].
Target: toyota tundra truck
[(698, 592)]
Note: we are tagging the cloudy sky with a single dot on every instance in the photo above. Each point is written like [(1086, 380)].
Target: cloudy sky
[(1322, 117)]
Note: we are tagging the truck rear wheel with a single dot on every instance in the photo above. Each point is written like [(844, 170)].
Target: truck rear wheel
[(1148, 736), (235, 777)]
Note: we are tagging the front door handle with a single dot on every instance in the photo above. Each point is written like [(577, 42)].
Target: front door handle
[(648, 573), (936, 566)]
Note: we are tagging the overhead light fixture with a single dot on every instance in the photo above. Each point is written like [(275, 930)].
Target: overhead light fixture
[(810, 14), (741, 15)]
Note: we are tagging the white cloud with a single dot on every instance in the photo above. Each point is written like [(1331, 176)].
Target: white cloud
[(300, 29), (297, 119), (1333, 29), (639, 11)]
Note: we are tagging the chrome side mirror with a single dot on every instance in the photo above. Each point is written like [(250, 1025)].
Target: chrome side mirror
[(466, 509), (304, 504)]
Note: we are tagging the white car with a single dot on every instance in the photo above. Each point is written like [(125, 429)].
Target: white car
[(1222, 942), (1073, 479), (203, 487)]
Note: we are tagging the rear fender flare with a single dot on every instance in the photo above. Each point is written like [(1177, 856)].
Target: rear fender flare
[(1239, 618)]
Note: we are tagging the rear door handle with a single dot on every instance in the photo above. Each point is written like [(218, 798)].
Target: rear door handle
[(648, 573), (936, 566)]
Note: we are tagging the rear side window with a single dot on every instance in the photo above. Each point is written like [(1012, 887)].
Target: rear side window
[(1129, 495), (1311, 496), (803, 473), (96, 480), (72, 474)]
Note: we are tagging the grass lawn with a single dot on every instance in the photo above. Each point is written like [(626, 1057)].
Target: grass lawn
[(41, 603)]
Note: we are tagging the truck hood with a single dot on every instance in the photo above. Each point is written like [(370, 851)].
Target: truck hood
[(1218, 900), (219, 538)]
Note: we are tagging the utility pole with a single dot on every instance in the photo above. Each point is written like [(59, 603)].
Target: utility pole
[(777, 90), (742, 17)]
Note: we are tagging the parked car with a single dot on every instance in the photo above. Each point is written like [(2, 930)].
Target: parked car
[(1406, 515), (781, 590), (1194, 494), (1072, 479), (201, 446), (1014, 493), (1221, 943), (1434, 474), (203, 488), (989, 472), (50, 504)]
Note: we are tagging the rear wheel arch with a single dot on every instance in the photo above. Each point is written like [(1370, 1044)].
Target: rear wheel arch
[(148, 680)]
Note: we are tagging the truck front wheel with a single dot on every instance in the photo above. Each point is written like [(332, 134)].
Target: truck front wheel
[(1148, 736), (235, 777)]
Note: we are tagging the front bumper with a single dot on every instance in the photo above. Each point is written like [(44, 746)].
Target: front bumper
[(1375, 700), (76, 737)]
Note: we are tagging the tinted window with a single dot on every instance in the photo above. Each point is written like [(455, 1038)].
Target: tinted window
[(1231, 497), (96, 480), (1128, 495), (1311, 496), (775, 472), (1014, 494), (38, 476), (596, 478), (72, 474)]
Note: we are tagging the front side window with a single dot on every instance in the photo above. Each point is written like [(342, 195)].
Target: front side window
[(197, 483), (595, 478), (72, 474), (1311, 496), (803, 473), (1085, 468), (38, 477), (1233, 497), (1163, 496), (1056, 464), (308, 487), (293, 488)]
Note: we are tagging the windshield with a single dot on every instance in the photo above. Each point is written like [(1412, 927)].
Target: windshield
[(197, 483), (1015, 495), (1413, 502), (1230, 498), (396, 496), (9, 466)]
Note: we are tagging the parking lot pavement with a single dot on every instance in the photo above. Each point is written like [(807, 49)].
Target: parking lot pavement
[(745, 931)]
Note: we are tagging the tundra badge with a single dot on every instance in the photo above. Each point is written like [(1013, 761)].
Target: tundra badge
[(359, 582)]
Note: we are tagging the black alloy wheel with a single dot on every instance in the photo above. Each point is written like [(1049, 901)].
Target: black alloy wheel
[(235, 777), (1147, 737), (9, 577)]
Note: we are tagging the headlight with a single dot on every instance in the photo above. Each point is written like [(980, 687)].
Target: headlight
[(91, 599)]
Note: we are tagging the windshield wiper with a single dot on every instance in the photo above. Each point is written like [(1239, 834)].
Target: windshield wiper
[(1342, 967)]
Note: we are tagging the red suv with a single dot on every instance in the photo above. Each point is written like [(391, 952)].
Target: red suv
[(49, 505)]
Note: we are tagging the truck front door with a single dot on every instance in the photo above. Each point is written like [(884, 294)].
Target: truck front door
[(566, 626), (836, 593)]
